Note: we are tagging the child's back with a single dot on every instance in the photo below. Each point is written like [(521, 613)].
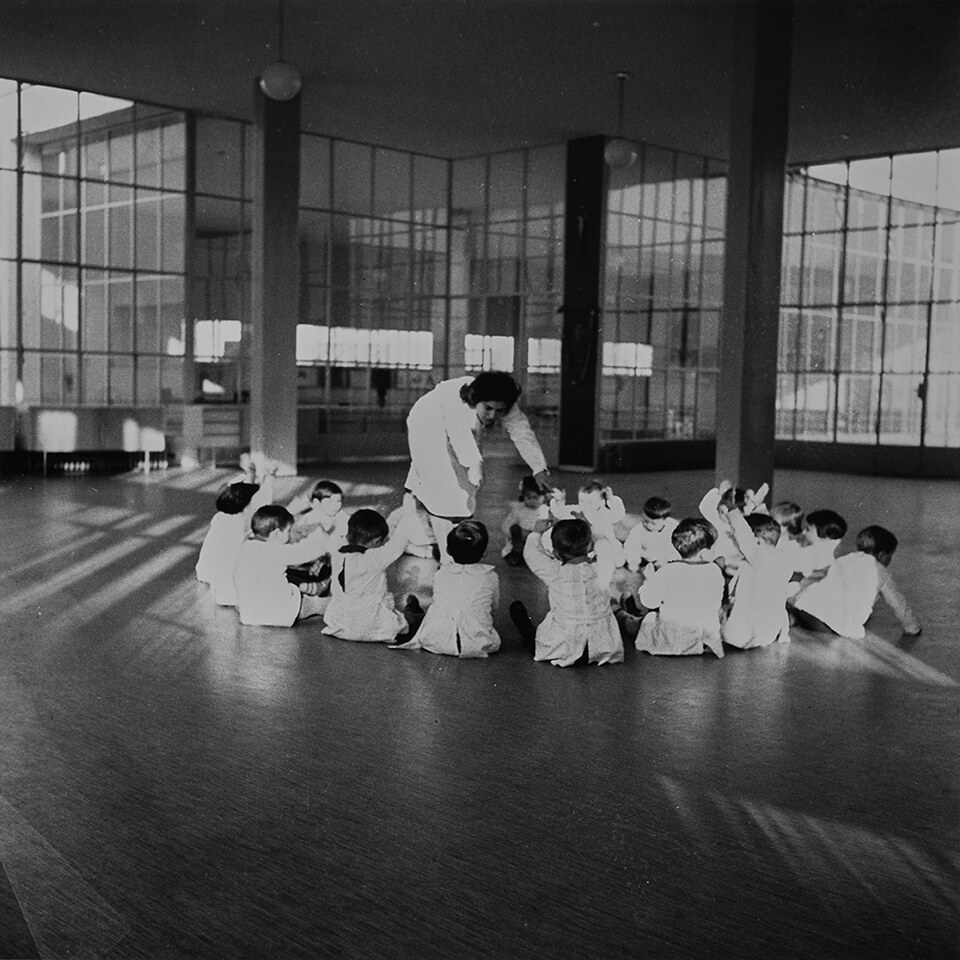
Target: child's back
[(580, 617), (685, 597)]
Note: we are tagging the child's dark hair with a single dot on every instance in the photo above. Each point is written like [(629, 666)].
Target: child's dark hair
[(789, 515), (366, 527), (876, 540), (764, 528), (571, 539), (323, 489), (693, 535), (829, 525), (529, 485), (733, 498), (593, 486), (467, 541), (491, 386), (657, 508), (236, 497), (269, 518)]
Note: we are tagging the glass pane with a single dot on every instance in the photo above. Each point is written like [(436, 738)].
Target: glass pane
[(824, 206), (120, 313), (121, 157), (429, 184), (172, 227), (314, 241), (943, 411), (815, 401), (94, 250), (900, 409), (945, 338), (822, 268), (148, 315), (172, 321), (788, 340), (786, 405), (219, 157), (148, 171), (95, 380), (94, 310), (469, 185), (871, 176), (860, 339), (352, 184), (506, 184), (8, 124), (120, 227), (391, 183), (54, 113), (148, 230), (858, 403), (905, 339), (915, 177), (121, 380), (314, 171), (174, 155), (171, 381), (816, 340), (148, 381), (866, 255)]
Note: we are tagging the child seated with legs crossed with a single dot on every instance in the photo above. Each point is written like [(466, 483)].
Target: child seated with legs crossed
[(529, 513), (361, 605), (822, 532), (422, 541), (466, 592), (684, 597), (264, 595), (842, 601), (759, 613), (648, 546), (580, 623), (324, 512)]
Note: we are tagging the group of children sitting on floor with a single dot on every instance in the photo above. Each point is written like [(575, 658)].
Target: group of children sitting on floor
[(738, 574)]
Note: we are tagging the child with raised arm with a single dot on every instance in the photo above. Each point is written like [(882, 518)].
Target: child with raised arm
[(684, 597), (714, 506), (529, 513), (648, 546), (459, 622), (264, 596), (759, 613), (789, 516), (236, 505), (361, 605), (580, 622), (843, 600)]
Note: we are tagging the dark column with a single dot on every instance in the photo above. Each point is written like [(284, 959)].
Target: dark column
[(275, 281), (582, 277), (746, 401)]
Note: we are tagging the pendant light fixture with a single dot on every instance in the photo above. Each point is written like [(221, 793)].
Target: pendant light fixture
[(280, 80), (620, 153)]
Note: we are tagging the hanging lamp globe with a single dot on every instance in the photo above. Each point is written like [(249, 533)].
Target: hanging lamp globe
[(619, 153), (280, 80)]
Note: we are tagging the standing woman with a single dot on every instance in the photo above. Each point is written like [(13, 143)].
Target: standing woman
[(443, 430)]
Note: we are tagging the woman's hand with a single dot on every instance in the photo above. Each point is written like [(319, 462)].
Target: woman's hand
[(543, 481)]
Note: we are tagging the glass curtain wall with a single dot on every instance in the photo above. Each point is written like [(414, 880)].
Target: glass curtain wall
[(662, 297), (870, 306), (92, 270)]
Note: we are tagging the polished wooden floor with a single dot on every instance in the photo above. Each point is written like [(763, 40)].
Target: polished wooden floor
[(175, 785)]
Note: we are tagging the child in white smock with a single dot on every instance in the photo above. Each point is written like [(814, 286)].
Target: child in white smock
[(822, 532), (684, 596), (361, 605), (529, 513), (459, 622), (759, 613), (580, 622), (236, 505), (789, 516), (844, 599), (648, 546), (264, 596)]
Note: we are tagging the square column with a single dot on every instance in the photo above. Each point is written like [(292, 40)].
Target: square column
[(747, 391), (584, 232), (275, 286)]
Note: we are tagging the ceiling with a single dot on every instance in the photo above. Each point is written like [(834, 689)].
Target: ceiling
[(462, 77)]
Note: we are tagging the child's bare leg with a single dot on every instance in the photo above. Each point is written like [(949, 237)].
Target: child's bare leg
[(413, 613)]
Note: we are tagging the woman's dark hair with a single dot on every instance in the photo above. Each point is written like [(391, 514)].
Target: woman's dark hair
[(764, 528), (876, 540), (693, 535), (236, 497), (571, 539), (269, 518), (829, 525), (366, 527), (467, 541), (491, 385), (529, 485)]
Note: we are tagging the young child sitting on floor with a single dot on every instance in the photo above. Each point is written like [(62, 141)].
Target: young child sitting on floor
[(789, 516), (422, 542), (684, 597), (466, 592), (264, 596), (648, 544), (580, 622), (361, 606), (713, 508), (822, 532), (529, 513), (236, 505), (759, 613), (324, 512), (843, 600)]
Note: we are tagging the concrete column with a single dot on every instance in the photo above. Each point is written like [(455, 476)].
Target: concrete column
[(275, 288), (746, 401), (582, 279)]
